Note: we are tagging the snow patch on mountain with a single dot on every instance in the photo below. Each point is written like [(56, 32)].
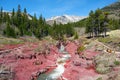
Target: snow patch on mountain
[(65, 19)]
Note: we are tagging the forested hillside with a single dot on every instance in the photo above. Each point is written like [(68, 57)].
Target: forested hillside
[(20, 23), (102, 20)]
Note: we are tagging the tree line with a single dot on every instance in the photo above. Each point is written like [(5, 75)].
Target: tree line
[(20, 23), (98, 23)]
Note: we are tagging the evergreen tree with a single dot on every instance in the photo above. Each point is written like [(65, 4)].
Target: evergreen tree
[(26, 24), (90, 24), (9, 31), (43, 26), (76, 35), (106, 21), (96, 22), (1, 14), (69, 30), (25, 11), (13, 12), (97, 26), (7, 18), (13, 17), (34, 26), (119, 20), (19, 16)]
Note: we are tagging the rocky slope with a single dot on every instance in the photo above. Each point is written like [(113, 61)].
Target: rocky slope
[(113, 9)]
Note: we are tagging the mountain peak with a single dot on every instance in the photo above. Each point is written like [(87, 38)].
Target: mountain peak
[(64, 19)]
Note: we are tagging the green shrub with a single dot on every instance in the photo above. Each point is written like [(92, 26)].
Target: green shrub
[(100, 78), (76, 36), (103, 70), (9, 31), (4, 40), (38, 49), (80, 49), (117, 62), (104, 40)]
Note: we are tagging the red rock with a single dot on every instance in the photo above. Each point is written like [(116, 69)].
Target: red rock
[(71, 48), (90, 54), (25, 68)]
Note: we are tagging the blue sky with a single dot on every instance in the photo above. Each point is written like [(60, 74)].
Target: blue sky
[(49, 8)]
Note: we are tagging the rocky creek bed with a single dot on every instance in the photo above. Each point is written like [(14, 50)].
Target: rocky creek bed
[(22, 62)]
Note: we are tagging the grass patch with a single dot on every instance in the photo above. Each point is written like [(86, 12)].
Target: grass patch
[(117, 62), (4, 40), (100, 78), (104, 40), (29, 39), (38, 49), (80, 49)]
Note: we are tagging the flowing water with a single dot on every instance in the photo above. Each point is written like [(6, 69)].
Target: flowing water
[(59, 70)]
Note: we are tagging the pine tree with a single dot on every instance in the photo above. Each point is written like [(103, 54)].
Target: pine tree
[(1, 14), (119, 20), (90, 23), (7, 18), (41, 20), (96, 22), (4, 19), (26, 25), (19, 16), (25, 11), (76, 35), (9, 31), (13, 17), (106, 21), (13, 12), (43, 27), (34, 26)]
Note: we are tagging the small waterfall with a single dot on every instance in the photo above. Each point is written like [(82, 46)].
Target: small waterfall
[(62, 48)]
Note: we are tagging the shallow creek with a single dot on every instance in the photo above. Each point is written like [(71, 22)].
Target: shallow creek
[(59, 70)]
